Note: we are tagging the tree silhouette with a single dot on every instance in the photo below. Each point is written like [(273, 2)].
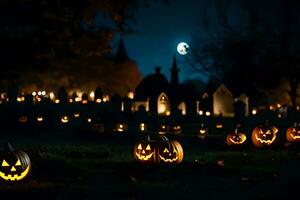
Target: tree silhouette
[(253, 45)]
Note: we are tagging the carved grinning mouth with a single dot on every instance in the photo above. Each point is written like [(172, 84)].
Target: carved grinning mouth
[(168, 159), (265, 141), (15, 177), (144, 157)]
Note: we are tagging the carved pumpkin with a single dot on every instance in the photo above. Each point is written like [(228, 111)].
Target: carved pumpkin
[(23, 119), (264, 135), (121, 127), (293, 133), (177, 129), (15, 165), (163, 129), (39, 119), (64, 119), (162, 151), (202, 131), (144, 151), (237, 138), (169, 151)]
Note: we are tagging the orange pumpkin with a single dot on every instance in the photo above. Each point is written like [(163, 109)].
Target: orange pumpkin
[(264, 135), (236, 139), (293, 133)]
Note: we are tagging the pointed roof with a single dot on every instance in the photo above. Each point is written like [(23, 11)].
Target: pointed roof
[(121, 54)]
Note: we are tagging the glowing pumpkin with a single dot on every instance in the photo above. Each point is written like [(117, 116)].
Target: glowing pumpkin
[(40, 119), (121, 127), (144, 151), (64, 119), (236, 138), (202, 131), (169, 151), (23, 119), (162, 151), (163, 129), (15, 165), (293, 133), (264, 135), (177, 129)]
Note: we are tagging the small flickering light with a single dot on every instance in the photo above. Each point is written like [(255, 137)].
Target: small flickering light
[(84, 101), (297, 108), (71, 100), (39, 93), (33, 93), (254, 112), (92, 95), (201, 112), (38, 99), (207, 113), (98, 100), (78, 99), (89, 120), (57, 101), (19, 99), (121, 127), (278, 105), (76, 115), (271, 107), (219, 125), (168, 113), (40, 119), (130, 95), (279, 115), (52, 96), (64, 119), (105, 98), (142, 127)]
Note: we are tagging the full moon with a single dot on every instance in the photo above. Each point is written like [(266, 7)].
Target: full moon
[(183, 48)]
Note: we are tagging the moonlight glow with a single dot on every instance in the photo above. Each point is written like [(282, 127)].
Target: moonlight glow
[(183, 48)]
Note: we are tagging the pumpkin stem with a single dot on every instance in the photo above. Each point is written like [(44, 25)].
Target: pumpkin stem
[(148, 138), (164, 138), (10, 148)]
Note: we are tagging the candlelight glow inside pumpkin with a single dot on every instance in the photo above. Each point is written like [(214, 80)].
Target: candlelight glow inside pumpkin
[(64, 119), (170, 151), (293, 133), (202, 132), (23, 119), (264, 135), (236, 138)]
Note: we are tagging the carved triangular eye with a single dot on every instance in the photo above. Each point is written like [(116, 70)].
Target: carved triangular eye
[(148, 147), (268, 132), (140, 147), (18, 163), (174, 151), (4, 163), (166, 150)]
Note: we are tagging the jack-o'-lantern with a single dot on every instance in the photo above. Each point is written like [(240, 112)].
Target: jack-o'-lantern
[(39, 119), (219, 125), (293, 133), (163, 129), (176, 129), (64, 119), (121, 127), (235, 139), (15, 165), (264, 135), (162, 150), (76, 114), (202, 131), (169, 151), (145, 150), (23, 119)]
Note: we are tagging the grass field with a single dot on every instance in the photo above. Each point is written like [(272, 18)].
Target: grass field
[(77, 167)]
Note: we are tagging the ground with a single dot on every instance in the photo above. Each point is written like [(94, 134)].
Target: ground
[(97, 167)]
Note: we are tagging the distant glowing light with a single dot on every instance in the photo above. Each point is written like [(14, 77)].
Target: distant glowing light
[(254, 112), (33, 93), (98, 100), (207, 113), (201, 112), (183, 48)]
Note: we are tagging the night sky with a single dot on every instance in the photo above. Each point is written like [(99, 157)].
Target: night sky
[(160, 27)]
